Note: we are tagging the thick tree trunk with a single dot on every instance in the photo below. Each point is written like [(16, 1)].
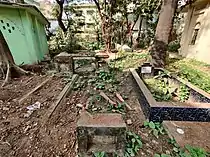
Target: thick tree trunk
[(7, 61), (163, 30)]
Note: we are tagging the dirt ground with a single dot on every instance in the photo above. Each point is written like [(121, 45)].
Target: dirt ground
[(19, 132), (195, 133), (22, 136)]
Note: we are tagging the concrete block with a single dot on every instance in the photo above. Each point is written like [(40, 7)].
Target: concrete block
[(101, 132)]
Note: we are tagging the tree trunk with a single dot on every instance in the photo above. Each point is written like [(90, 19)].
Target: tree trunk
[(134, 23), (60, 14), (106, 23), (136, 44), (108, 39), (163, 30), (140, 25), (7, 61)]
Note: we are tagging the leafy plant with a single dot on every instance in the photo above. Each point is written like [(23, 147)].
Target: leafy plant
[(105, 76), (193, 71), (155, 127), (119, 107), (160, 89), (100, 86), (187, 151), (94, 46), (160, 86), (99, 154), (196, 152), (183, 93), (174, 46), (133, 144)]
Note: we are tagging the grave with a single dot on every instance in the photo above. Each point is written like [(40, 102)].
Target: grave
[(65, 62), (196, 109), (101, 132)]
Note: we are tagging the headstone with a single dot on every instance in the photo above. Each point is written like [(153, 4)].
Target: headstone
[(146, 70), (101, 132), (64, 62)]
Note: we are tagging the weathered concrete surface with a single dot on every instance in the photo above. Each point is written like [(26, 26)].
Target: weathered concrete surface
[(101, 132), (195, 133), (64, 62)]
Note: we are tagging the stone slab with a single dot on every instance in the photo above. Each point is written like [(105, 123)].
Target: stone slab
[(101, 120), (101, 132)]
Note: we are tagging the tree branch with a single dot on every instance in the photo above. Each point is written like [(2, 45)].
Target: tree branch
[(99, 8), (60, 14)]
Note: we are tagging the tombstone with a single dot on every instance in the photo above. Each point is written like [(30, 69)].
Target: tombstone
[(64, 62), (101, 132), (146, 70)]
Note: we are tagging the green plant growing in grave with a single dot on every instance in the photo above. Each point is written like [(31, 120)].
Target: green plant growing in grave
[(196, 152), (119, 107), (187, 151), (105, 76), (163, 86), (99, 154), (133, 144), (160, 87), (100, 86), (155, 127), (189, 69), (183, 93)]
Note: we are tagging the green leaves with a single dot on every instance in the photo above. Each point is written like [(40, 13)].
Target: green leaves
[(196, 152), (152, 125), (161, 155), (193, 71), (133, 144), (99, 154), (120, 107), (188, 151), (160, 88), (183, 93), (156, 128)]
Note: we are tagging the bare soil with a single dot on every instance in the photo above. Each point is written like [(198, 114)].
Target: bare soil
[(21, 137), (195, 133)]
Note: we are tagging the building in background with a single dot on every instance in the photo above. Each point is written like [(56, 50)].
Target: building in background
[(86, 16), (196, 34)]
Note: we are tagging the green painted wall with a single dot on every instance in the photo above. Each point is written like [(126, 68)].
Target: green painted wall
[(25, 35)]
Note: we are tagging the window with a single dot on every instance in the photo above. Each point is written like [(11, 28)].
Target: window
[(90, 12), (81, 24), (195, 33), (90, 25), (79, 13)]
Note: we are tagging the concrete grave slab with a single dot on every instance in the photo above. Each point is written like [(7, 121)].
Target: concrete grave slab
[(101, 132)]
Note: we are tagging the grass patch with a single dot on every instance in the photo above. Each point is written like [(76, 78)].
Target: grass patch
[(193, 71), (126, 60)]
